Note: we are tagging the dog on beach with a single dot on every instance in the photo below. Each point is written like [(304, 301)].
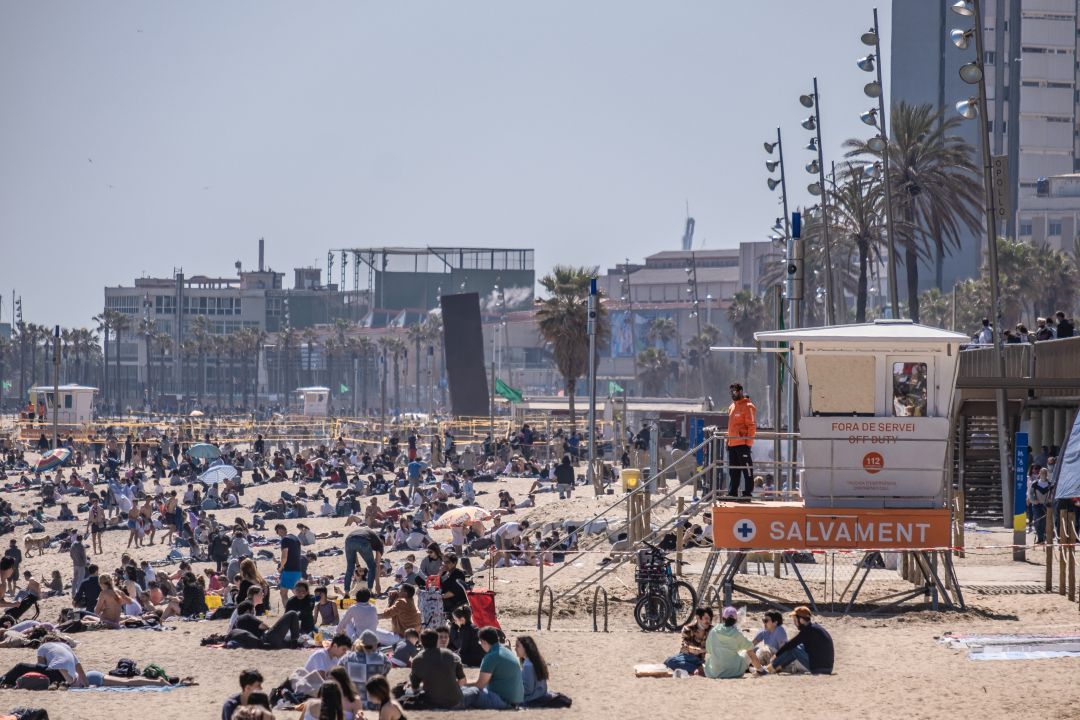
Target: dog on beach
[(40, 542)]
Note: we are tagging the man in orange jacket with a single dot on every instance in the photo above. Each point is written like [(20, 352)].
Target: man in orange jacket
[(742, 426)]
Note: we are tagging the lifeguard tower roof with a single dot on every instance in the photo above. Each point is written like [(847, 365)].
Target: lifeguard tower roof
[(876, 331)]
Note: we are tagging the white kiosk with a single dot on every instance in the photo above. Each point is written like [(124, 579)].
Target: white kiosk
[(314, 401), (76, 406)]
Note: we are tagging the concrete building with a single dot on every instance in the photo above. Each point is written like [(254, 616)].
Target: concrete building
[(1032, 93), (1052, 216)]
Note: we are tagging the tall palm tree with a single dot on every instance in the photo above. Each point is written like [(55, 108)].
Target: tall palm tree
[(433, 335), (654, 367), (310, 337), (288, 338), (120, 323), (416, 334), (163, 342), (201, 334), (857, 204), (936, 187), (104, 326), (362, 349), (661, 331), (563, 320)]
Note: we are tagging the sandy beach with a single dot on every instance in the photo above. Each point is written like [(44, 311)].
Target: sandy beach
[(886, 667)]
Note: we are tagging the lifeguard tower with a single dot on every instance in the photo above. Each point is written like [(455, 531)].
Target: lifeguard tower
[(874, 421), (76, 404), (314, 401)]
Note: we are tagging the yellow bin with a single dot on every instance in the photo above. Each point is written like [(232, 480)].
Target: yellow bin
[(629, 477)]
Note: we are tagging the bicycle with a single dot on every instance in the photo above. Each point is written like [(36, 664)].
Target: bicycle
[(663, 601)]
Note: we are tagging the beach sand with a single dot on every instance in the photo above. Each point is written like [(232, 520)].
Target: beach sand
[(889, 667)]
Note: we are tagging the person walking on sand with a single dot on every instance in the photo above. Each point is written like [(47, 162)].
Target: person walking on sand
[(95, 524), (78, 563)]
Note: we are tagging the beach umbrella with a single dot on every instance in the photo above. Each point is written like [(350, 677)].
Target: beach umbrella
[(52, 459), (462, 516), (203, 451), (195, 413), (218, 473)]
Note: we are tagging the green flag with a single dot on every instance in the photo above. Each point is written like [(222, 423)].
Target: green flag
[(343, 389), (507, 392), (614, 387), (7, 384)]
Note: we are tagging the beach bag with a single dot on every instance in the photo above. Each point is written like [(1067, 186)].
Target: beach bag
[(32, 681), (432, 614), (551, 700), (24, 713), (482, 603), (126, 668)]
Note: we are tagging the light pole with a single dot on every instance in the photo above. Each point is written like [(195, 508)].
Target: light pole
[(597, 482), (880, 144), (56, 389), (626, 296), (813, 101), (692, 291), (974, 73)]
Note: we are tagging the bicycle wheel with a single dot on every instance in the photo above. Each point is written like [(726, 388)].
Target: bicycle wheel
[(682, 599), (652, 612)]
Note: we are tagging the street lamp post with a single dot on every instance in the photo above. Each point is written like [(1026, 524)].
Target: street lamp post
[(974, 73), (695, 303), (56, 389), (597, 482), (881, 144), (813, 101)]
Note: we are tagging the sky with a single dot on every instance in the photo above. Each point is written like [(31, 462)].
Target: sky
[(141, 137)]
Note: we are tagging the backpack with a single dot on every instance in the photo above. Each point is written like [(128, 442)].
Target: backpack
[(25, 713), (125, 667), (33, 681)]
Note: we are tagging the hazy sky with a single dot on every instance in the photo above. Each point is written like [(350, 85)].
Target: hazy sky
[(138, 137)]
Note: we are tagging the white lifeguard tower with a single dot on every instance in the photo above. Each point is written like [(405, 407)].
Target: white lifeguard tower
[(76, 403), (314, 401), (874, 406), (875, 400)]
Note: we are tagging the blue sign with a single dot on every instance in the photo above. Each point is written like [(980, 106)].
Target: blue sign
[(796, 225), (697, 436), (1021, 463)]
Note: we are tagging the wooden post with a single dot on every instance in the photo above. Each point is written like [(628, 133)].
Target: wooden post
[(1063, 536), (961, 518), (679, 536), (1070, 534), (1050, 534)]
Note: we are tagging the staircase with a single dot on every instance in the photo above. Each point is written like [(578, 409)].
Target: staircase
[(982, 469)]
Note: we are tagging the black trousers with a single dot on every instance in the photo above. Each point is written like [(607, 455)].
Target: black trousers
[(288, 625), (740, 465)]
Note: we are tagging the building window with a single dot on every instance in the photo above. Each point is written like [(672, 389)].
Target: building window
[(990, 55), (1025, 228), (1055, 228), (67, 401)]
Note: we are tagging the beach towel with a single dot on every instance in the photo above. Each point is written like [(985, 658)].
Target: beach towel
[(144, 688)]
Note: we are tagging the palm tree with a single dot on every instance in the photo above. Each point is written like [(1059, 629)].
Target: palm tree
[(935, 308), (562, 318), (416, 333), (200, 333), (661, 331), (654, 366), (309, 337), (104, 326), (163, 342), (433, 335), (936, 187), (856, 211), (362, 350), (120, 323), (287, 342)]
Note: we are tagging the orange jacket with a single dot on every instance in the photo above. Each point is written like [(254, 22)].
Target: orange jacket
[(742, 423)]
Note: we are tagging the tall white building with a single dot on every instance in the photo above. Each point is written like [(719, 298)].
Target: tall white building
[(1032, 92)]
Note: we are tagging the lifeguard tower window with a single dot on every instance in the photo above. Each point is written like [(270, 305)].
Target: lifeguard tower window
[(841, 384), (67, 401), (909, 389)]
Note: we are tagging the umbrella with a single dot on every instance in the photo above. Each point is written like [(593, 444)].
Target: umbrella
[(52, 459), (203, 451), (195, 413), (218, 473), (462, 516)]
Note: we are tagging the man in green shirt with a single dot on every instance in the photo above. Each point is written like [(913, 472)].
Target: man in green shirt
[(727, 651), (499, 685)]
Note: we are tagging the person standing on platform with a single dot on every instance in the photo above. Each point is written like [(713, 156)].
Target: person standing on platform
[(742, 427)]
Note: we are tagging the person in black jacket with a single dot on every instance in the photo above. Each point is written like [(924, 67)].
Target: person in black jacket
[(1065, 327), (812, 647), (564, 477), (192, 597), (464, 638), (87, 595), (303, 604)]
